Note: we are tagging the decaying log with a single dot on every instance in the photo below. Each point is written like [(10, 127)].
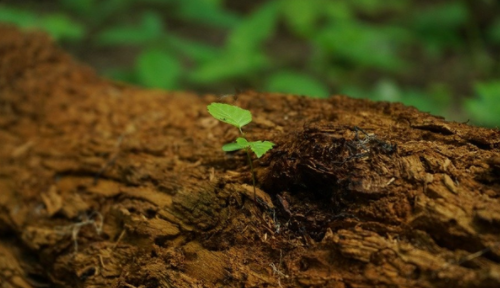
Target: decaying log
[(107, 185)]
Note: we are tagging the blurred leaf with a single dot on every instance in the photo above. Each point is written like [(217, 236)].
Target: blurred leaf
[(62, 28), (158, 69), (448, 15), (59, 26), (217, 3), (149, 30), (196, 51), (485, 108), (80, 7), (384, 90), (301, 16), (441, 95), (363, 45), (229, 66), (206, 11), (434, 101), (377, 6), (242, 54), (438, 25), (423, 102), (337, 10), (253, 30), (97, 12), (19, 17), (296, 83), (494, 31), (158, 1)]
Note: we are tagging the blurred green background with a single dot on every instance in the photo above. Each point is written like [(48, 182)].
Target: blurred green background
[(440, 56)]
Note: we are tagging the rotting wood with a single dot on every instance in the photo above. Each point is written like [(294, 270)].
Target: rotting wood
[(412, 201)]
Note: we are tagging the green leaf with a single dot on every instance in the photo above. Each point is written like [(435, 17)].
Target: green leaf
[(338, 10), (79, 7), (254, 30), (301, 16), (242, 55), (260, 147), (230, 114), (493, 32), (196, 51), (61, 27), (485, 107), (229, 66), (439, 27), (149, 30), (207, 12), (372, 46), (19, 17), (157, 68), (296, 83), (241, 143), (376, 6)]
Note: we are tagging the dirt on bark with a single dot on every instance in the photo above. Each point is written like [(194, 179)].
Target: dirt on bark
[(108, 185)]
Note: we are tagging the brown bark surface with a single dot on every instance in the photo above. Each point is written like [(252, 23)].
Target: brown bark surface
[(107, 185)]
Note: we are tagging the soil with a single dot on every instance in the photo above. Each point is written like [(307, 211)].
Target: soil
[(108, 185)]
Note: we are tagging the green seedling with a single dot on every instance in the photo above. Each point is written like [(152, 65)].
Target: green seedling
[(239, 117)]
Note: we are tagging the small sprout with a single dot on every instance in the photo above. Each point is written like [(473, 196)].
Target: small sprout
[(239, 117)]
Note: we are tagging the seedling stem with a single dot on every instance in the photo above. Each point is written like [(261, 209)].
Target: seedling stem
[(239, 117)]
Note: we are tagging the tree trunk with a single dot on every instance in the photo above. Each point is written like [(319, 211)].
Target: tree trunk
[(107, 185)]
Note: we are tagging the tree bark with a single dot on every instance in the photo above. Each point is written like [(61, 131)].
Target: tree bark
[(108, 185)]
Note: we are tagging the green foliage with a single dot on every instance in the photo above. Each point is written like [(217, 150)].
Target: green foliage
[(59, 26), (297, 83), (147, 31), (241, 56), (300, 16), (387, 90), (206, 11), (258, 147), (426, 54), (438, 27), (19, 17), (159, 69), (375, 46), (250, 34), (230, 114), (196, 51), (238, 117), (373, 7), (230, 65), (485, 107), (494, 31)]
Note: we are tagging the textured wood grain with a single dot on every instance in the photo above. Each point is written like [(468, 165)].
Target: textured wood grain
[(107, 185)]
